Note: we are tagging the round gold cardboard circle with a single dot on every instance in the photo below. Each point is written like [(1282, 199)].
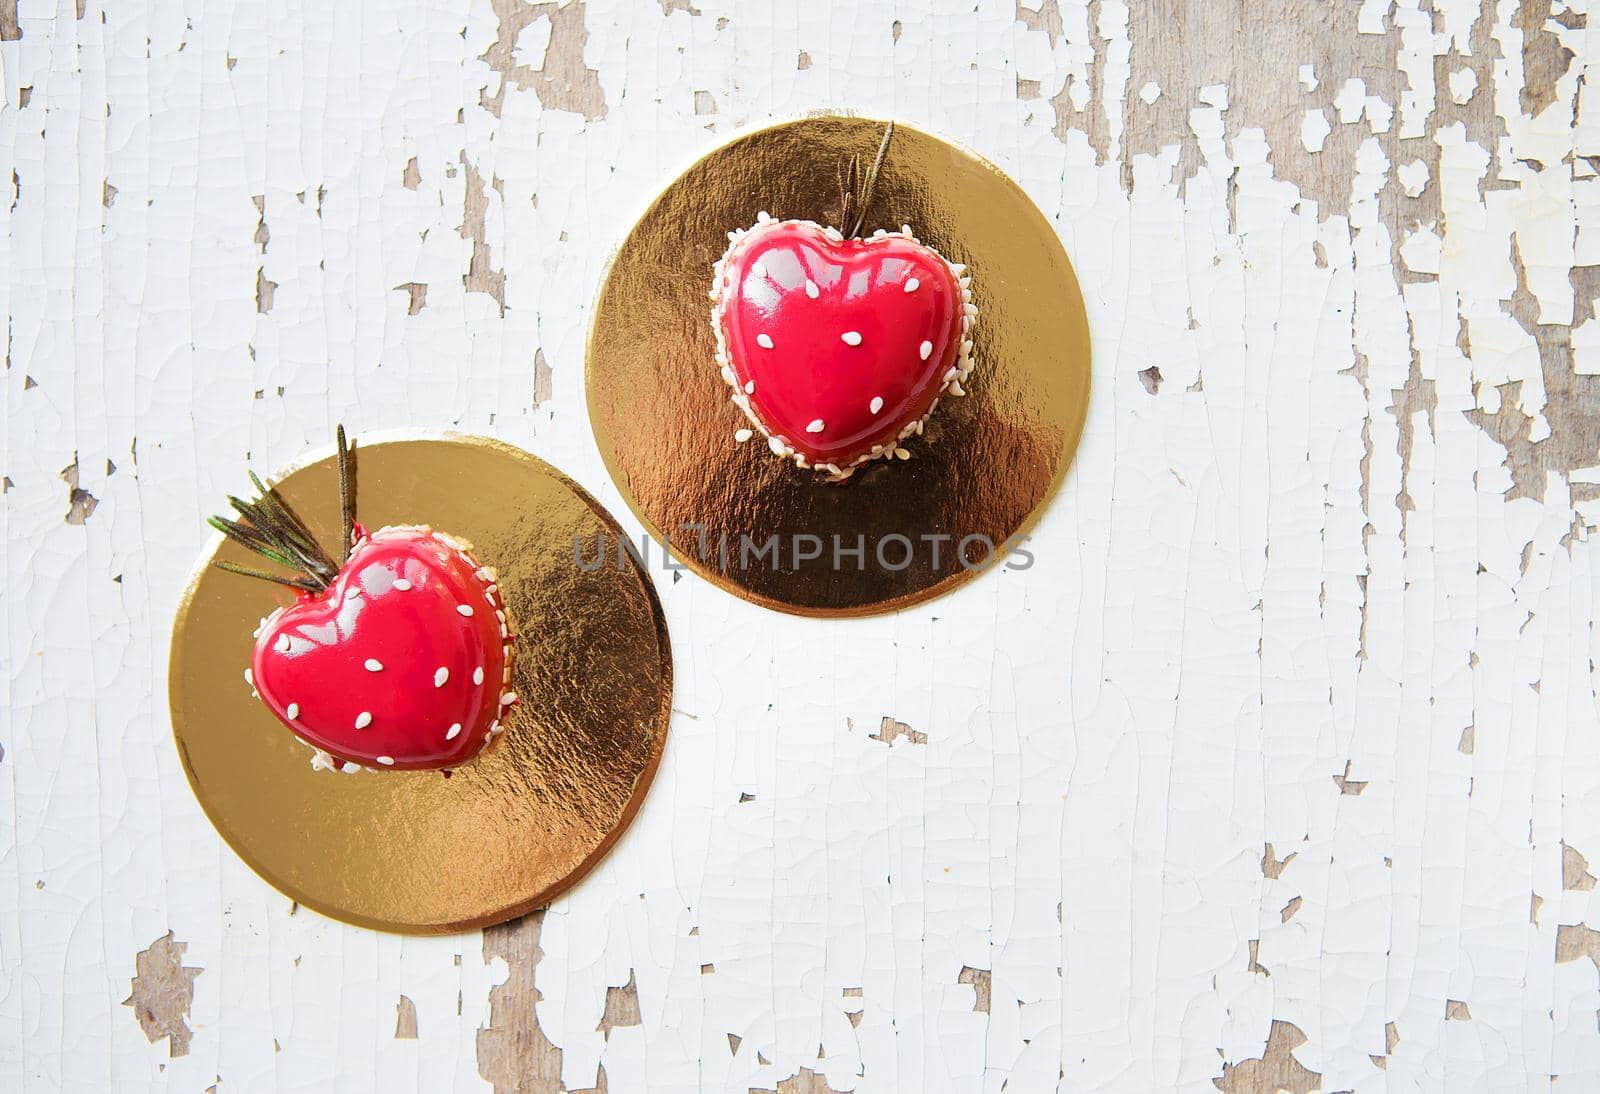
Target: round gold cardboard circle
[(418, 852), (988, 462)]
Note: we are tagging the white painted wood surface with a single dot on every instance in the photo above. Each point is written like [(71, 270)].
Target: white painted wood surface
[(1277, 768)]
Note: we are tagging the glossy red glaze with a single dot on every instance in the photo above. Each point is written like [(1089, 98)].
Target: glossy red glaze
[(809, 372), (315, 655)]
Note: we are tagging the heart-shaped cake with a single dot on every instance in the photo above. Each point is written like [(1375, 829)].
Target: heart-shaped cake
[(397, 653), (838, 349), (402, 661)]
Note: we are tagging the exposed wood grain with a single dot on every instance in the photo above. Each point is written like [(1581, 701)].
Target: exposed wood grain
[(405, 1020), (163, 992), (513, 1052), (1275, 1070)]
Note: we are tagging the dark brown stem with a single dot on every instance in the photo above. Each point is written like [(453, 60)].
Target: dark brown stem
[(849, 177), (347, 499), (864, 203)]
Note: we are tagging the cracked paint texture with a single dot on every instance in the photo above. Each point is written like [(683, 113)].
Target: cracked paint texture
[(1276, 770)]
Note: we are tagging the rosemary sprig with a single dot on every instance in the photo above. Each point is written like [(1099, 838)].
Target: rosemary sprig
[(855, 193), (293, 583), (267, 526)]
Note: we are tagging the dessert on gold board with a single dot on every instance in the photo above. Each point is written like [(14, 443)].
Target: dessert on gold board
[(397, 653), (717, 439), (839, 348)]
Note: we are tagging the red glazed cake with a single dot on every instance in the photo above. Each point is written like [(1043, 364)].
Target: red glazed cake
[(397, 652), (403, 661), (838, 350)]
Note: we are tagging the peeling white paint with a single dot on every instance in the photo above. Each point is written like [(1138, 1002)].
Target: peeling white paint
[(1413, 178), (1422, 250), (1352, 100), (1314, 130)]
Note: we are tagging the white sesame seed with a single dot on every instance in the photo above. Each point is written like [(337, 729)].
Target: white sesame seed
[(440, 675), (925, 350), (477, 675), (364, 719), (834, 234), (503, 631), (777, 446), (249, 678), (749, 387), (764, 341), (508, 698), (901, 453), (850, 338), (811, 289), (403, 585), (350, 767), (282, 645), (451, 733), (912, 284), (742, 435), (386, 761), (876, 404), (374, 665), (293, 711), (464, 609), (816, 426)]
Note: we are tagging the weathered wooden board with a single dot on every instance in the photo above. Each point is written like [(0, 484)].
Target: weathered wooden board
[(1277, 769)]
